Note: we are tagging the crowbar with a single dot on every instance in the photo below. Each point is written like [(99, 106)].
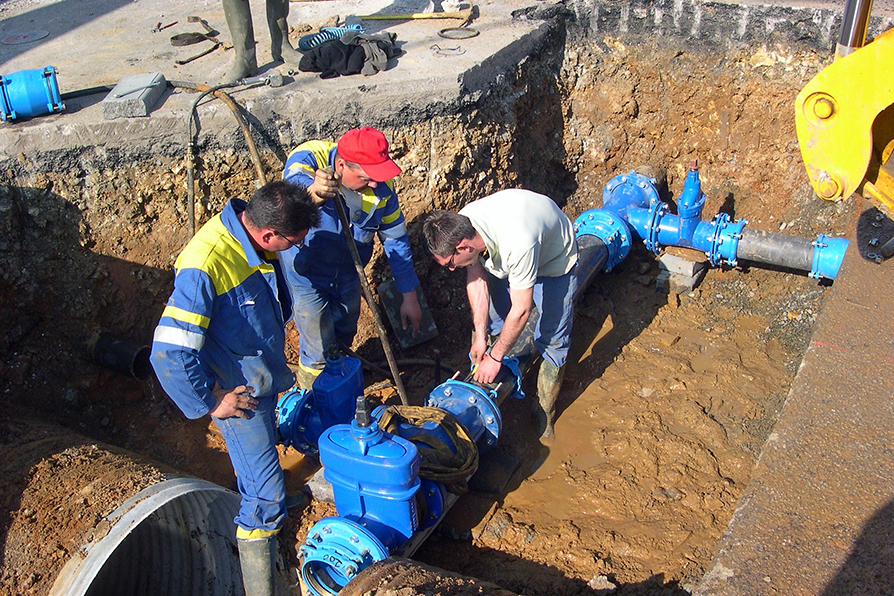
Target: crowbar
[(460, 14)]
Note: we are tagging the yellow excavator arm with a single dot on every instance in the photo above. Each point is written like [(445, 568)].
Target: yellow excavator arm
[(845, 123)]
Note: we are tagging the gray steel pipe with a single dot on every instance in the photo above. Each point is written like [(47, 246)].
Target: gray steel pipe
[(771, 248)]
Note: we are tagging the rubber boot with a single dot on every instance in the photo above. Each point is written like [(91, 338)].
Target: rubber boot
[(245, 63), (258, 561), (549, 382), (280, 48), (306, 378)]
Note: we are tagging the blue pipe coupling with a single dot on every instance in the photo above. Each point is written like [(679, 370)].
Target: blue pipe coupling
[(828, 254), (474, 407), (29, 93)]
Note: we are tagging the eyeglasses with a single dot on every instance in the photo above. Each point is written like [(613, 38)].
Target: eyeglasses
[(450, 264), (298, 243)]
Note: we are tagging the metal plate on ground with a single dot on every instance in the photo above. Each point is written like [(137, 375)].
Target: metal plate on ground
[(391, 301), (25, 37)]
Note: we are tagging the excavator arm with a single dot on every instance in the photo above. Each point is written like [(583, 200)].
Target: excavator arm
[(845, 123)]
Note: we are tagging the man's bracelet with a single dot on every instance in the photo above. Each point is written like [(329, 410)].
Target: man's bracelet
[(488, 354)]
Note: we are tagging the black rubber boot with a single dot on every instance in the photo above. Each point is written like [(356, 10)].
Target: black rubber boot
[(280, 48), (245, 63), (549, 382), (258, 561)]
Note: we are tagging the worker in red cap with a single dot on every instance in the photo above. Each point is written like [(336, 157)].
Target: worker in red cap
[(321, 272)]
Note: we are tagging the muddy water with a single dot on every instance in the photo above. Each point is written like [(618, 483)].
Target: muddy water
[(664, 408)]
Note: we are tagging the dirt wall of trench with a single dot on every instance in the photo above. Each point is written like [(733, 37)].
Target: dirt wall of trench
[(88, 239)]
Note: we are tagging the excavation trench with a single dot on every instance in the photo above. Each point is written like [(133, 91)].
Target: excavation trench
[(669, 396)]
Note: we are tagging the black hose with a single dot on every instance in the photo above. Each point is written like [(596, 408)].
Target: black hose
[(776, 249), (86, 92), (216, 91)]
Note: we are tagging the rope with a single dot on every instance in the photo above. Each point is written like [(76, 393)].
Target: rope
[(439, 462)]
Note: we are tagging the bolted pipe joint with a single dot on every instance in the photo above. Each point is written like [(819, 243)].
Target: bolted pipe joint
[(629, 190), (623, 192), (611, 229), (336, 550), (475, 407)]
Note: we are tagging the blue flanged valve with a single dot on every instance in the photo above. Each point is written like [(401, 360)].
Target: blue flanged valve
[(335, 551), (434, 497), (302, 415), (475, 407)]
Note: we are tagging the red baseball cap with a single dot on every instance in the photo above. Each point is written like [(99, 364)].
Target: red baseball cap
[(368, 148)]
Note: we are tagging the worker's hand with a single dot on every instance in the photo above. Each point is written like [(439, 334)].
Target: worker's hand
[(233, 402), (479, 347), (410, 312), (324, 186), (487, 369)]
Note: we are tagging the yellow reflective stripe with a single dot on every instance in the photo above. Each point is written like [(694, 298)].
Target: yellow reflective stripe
[(391, 218), (243, 534), (369, 201), (186, 316), (319, 149), (178, 337), (219, 254)]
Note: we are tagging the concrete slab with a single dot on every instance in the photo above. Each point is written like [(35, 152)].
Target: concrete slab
[(98, 42), (818, 514)]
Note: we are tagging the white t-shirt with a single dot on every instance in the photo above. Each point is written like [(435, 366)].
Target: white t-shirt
[(526, 235)]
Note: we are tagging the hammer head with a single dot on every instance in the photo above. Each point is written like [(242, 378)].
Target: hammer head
[(274, 79)]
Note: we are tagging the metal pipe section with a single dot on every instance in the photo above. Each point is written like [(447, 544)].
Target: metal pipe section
[(131, 526), (854, 23), (632, 211)]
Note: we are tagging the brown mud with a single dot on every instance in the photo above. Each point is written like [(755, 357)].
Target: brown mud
[(669, 396)]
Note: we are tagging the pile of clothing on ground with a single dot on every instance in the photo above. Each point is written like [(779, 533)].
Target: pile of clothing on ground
[(337, 51)]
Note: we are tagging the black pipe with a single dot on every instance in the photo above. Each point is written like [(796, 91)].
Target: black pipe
[(776, 249), (121, 354)]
